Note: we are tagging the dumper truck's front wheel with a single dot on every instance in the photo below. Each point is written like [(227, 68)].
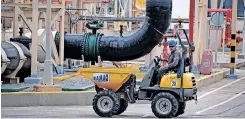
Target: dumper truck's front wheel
[(181, 110), (164, 105), (106, 103)]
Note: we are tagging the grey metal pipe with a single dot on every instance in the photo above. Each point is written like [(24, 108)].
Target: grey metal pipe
[(16, 53)]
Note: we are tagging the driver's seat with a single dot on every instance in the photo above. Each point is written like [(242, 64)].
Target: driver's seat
[(186, 63), (146, 81)]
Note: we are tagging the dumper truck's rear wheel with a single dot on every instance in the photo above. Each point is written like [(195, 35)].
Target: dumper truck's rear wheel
[(164, 105), (106, 103), (123, 106)]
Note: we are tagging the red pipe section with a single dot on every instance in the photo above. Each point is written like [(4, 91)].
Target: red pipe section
[(228, 27), (92, 1), (165, 51), (95, 1), (219, 10), (191, 20)]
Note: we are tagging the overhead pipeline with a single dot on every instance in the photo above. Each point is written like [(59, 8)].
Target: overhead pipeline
[(116, 48)]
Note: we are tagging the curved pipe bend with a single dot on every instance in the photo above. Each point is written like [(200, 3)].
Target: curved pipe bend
[(158, 17), (116, 48)]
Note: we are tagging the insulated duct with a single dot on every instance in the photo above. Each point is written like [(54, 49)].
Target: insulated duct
[(16, 59), (116, 48)]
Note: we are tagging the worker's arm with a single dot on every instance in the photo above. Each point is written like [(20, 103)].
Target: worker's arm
[(175, 62)]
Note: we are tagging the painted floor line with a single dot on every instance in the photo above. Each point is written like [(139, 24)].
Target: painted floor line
[(146, 115), (42, 109), (217, 89), (232, 98)]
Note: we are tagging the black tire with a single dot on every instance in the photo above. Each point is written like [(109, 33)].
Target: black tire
[(181, 109), (123, 106), (114, 103), (164, 99)]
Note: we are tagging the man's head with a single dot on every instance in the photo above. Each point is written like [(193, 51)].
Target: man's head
[(172, 45)]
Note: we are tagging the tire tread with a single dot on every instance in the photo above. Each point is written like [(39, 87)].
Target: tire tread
[(172, 99), (115, 99)]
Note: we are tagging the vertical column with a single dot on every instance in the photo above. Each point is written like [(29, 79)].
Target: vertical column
[(195, 59), (79, 26), (115, 13), (200, 42), (3, 31), (203, 28), (34, 37), (83, 13), (57, 25), (243, 46), (73, 5), (24, 28), (15, 24), (233, 53), (214, 34), (40, 24), (61, 50), (221, 4), (233, 38), (105, 15), (214, 3), (48, 70)]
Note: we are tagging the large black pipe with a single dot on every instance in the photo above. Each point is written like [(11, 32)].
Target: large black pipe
[(158, 17), (116, 48)]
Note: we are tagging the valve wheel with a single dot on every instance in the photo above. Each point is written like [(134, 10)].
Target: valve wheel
[(106, 103)]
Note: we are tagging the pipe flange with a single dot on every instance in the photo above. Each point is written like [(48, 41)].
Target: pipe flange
[(90, 50), (85, 48)]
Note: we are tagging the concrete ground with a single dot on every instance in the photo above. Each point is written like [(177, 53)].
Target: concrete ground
[(218, 100)]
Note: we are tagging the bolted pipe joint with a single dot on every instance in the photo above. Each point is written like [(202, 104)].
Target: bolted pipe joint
[(90, 49)]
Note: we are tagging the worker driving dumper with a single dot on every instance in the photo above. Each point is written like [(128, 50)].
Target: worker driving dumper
[(173, 61)]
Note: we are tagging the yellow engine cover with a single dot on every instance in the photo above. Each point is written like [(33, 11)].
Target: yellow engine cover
[(171, 81)]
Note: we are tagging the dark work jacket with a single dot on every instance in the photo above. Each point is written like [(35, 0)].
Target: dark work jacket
[(174, 60)]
